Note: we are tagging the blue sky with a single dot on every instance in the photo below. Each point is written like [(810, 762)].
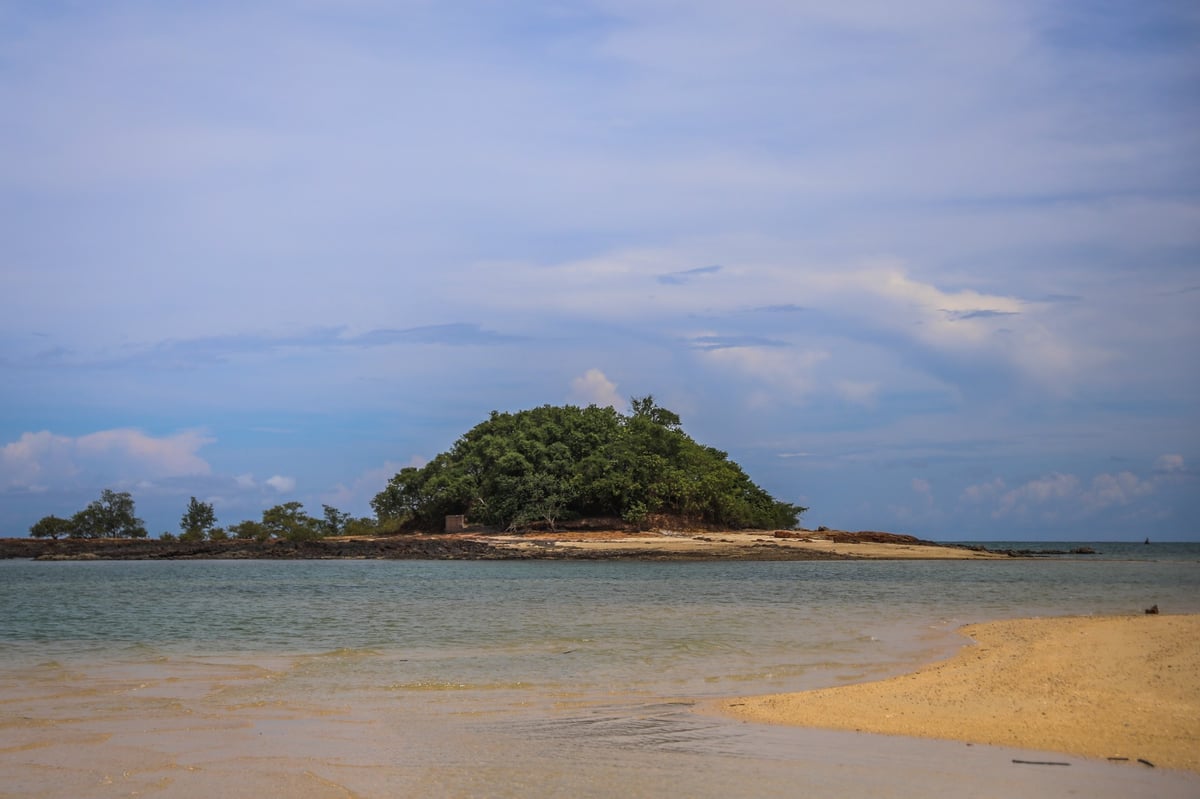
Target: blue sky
[(935, 272)]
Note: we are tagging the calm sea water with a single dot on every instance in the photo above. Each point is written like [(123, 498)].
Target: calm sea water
[(1104, 550), (515, 663), (661, 625)]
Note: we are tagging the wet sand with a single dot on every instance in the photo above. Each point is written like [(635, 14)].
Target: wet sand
[(1121, 688), (200, 728)]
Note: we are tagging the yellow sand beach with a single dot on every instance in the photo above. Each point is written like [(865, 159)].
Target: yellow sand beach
[(1104, 687)]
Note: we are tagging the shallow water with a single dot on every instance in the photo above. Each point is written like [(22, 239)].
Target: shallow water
[(386, 678)]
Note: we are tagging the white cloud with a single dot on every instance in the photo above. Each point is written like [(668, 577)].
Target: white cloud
[(897, 304), (281, 484), (170, 456), (1107, 490), (964, 323), (784, 375), (942, 309), (1061, 494), (1169, 464), (1039, 492), (594, 387), (984, 491), (37, 461)]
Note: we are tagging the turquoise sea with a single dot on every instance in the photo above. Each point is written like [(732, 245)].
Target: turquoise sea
[(532, 678)]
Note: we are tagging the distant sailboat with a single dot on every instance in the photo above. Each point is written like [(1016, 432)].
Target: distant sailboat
[(1147, 540)]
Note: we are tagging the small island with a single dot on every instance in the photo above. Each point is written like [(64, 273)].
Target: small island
[(554, 482)]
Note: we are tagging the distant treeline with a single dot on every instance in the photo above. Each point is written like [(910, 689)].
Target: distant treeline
[(539, 467), (113, 516)]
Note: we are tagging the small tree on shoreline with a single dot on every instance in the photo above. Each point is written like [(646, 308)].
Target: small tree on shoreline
[(51, 527), (290, 522), (197, 521)]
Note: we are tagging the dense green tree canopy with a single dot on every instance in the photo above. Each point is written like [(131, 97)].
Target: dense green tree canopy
[(51, 527), (551, 464), (289, 521), (111, 516), (250, 530)]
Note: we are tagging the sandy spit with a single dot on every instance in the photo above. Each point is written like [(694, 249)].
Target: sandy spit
[(1103, 687), (727, 544)]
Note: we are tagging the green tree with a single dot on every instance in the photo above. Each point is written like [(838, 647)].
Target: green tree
[(197, 521), (416, 496), (111, 516), (550, 464), (644, 408), (51, 527), (289, 521), (250, 531), (334, 521), (363, 526)]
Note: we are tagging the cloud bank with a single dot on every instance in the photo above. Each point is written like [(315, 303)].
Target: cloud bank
[(955, 245)]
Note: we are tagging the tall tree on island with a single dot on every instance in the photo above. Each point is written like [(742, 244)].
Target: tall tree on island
[(197, 521), (111, 516)]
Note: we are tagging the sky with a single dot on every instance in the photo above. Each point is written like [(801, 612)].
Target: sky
[(931, 270)]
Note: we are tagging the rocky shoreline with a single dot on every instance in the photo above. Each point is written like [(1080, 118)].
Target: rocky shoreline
[(408, 547), (578, 545), (398, 548)]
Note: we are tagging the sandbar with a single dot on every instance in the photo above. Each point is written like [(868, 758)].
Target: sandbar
[(731, 544), (1119, 688)]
